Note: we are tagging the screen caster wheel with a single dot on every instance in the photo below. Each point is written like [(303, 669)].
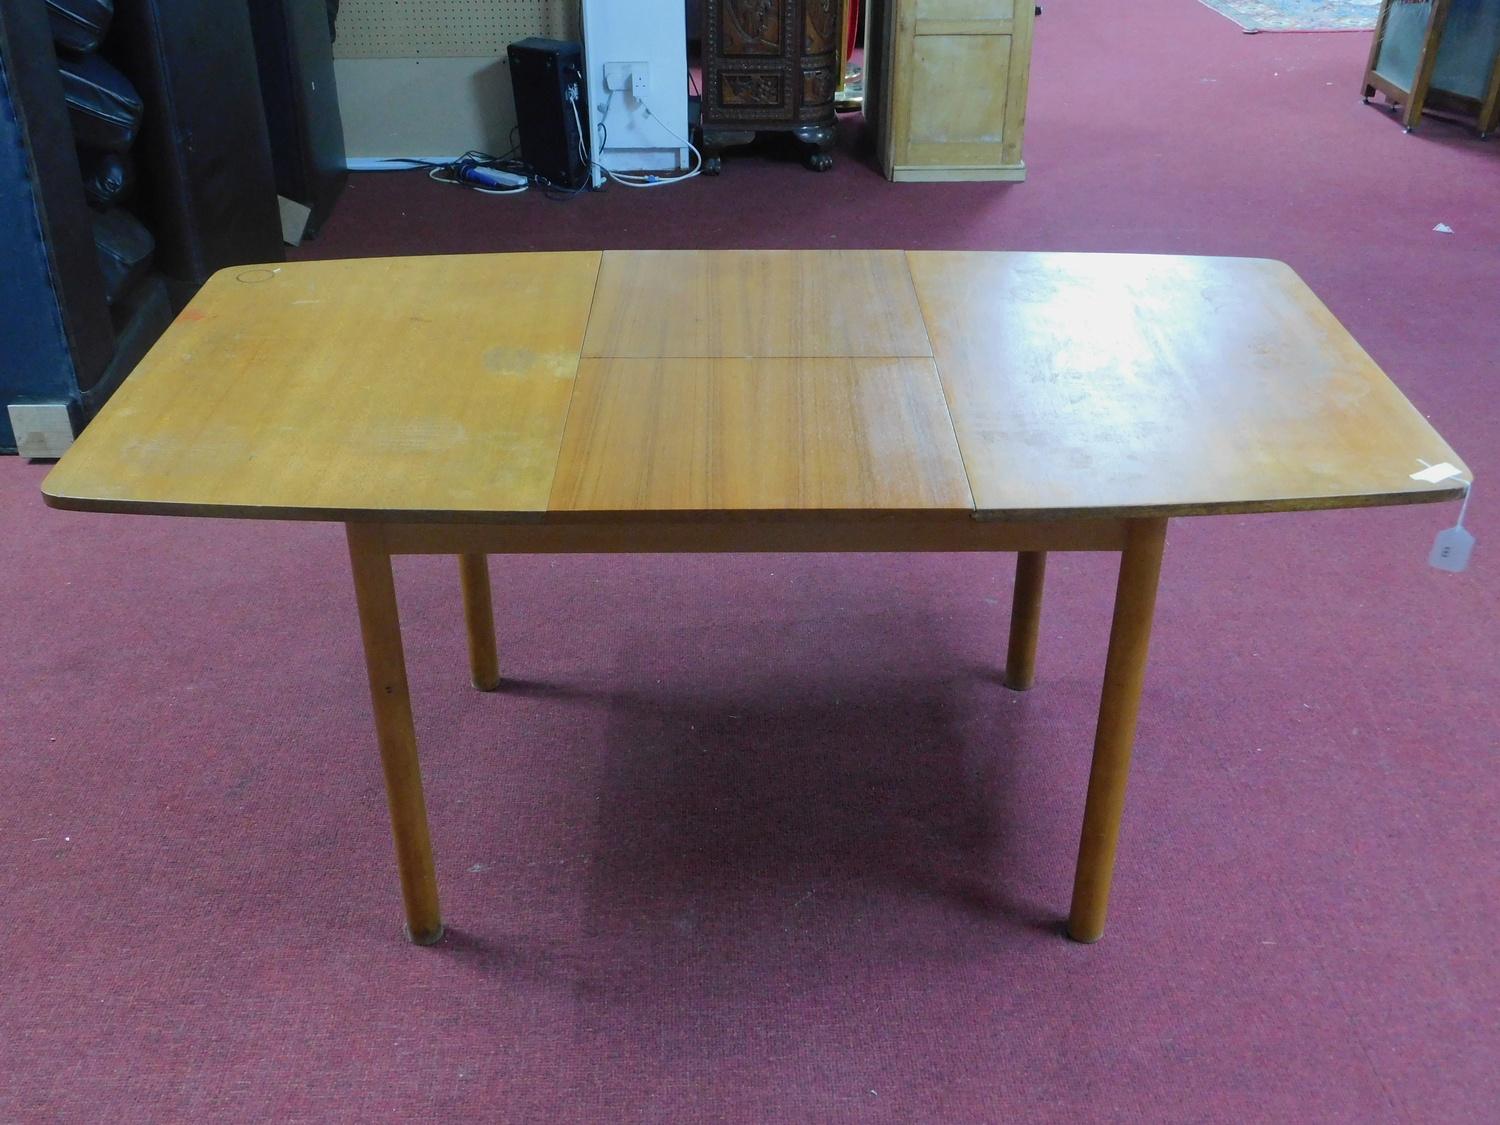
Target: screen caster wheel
[(820, 162)]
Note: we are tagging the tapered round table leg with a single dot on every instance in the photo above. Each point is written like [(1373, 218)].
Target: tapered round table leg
[(1119, 706), (380, 626), (1025, 620), (479, 614)]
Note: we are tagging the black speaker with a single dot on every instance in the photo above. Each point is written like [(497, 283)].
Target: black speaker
[(546, 75)]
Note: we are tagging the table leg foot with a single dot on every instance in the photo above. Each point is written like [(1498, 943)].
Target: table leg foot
[(1071, 936), (1025, 620), (429, 938), (390, 699), (479, 616), (1119, 707)]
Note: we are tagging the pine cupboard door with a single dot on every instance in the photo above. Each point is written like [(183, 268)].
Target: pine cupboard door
[(953, 91)]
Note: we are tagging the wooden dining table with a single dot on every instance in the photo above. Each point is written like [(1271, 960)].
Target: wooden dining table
[(753, 401)]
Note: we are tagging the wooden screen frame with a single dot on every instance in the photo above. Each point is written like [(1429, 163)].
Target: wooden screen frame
[(1423, 95)]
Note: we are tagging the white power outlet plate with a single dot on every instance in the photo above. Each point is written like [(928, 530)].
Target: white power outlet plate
[(632, 76)]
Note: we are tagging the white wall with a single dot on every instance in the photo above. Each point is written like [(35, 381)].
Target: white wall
[(649, 31), (432, 108)]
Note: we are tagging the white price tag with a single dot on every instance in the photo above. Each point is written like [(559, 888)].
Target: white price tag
[(1451, 549), (1453, 546)]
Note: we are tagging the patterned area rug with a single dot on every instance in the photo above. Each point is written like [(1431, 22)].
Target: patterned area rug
[(1299, 15)]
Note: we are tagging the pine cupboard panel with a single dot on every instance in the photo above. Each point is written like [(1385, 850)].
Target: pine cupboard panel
[(951, 88), (950, 120), (965, 9)]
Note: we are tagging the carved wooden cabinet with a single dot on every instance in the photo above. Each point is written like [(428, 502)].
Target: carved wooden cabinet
[(770, 65)]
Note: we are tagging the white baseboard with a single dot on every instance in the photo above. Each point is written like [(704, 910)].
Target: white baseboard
[(394, 163)]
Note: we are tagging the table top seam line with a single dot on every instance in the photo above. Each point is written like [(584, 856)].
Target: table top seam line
[(562, 431), (937, 371)]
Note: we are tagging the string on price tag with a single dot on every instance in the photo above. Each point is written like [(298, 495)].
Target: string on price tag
[(1453, 545)]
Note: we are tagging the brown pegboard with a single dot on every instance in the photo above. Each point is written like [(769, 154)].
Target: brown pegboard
[(412, 29)]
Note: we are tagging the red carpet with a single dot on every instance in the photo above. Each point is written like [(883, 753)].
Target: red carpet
[(764, 839)]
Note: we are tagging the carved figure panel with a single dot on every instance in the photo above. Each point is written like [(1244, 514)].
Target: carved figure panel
[(750, 89), (820, 26), (750, 27)]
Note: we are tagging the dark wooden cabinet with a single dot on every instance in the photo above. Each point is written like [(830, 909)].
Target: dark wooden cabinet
[(770, 65)]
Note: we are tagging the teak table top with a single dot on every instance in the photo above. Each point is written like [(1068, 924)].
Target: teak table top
[(510, 387)]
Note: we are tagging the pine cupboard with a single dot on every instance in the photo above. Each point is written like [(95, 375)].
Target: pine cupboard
[(948, 85)]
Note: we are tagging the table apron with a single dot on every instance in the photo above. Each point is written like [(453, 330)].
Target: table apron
[(852, 535)]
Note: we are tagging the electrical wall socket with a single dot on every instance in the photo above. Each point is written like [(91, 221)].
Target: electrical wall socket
[(632, 76)]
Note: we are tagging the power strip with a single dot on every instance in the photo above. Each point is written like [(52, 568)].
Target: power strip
[(491, 177)]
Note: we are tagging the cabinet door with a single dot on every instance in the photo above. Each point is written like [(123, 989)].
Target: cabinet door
[(770, 63), (748, 76), (957, 88)]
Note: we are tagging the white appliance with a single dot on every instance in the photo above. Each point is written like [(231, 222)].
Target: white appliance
[(635, 53)]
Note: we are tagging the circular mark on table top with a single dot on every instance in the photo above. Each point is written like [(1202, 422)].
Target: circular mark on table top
[(255, 277)]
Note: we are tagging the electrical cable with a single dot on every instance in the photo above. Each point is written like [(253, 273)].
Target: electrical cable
[(546, 186), (449, 174), (453, 171), (645, 179)]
